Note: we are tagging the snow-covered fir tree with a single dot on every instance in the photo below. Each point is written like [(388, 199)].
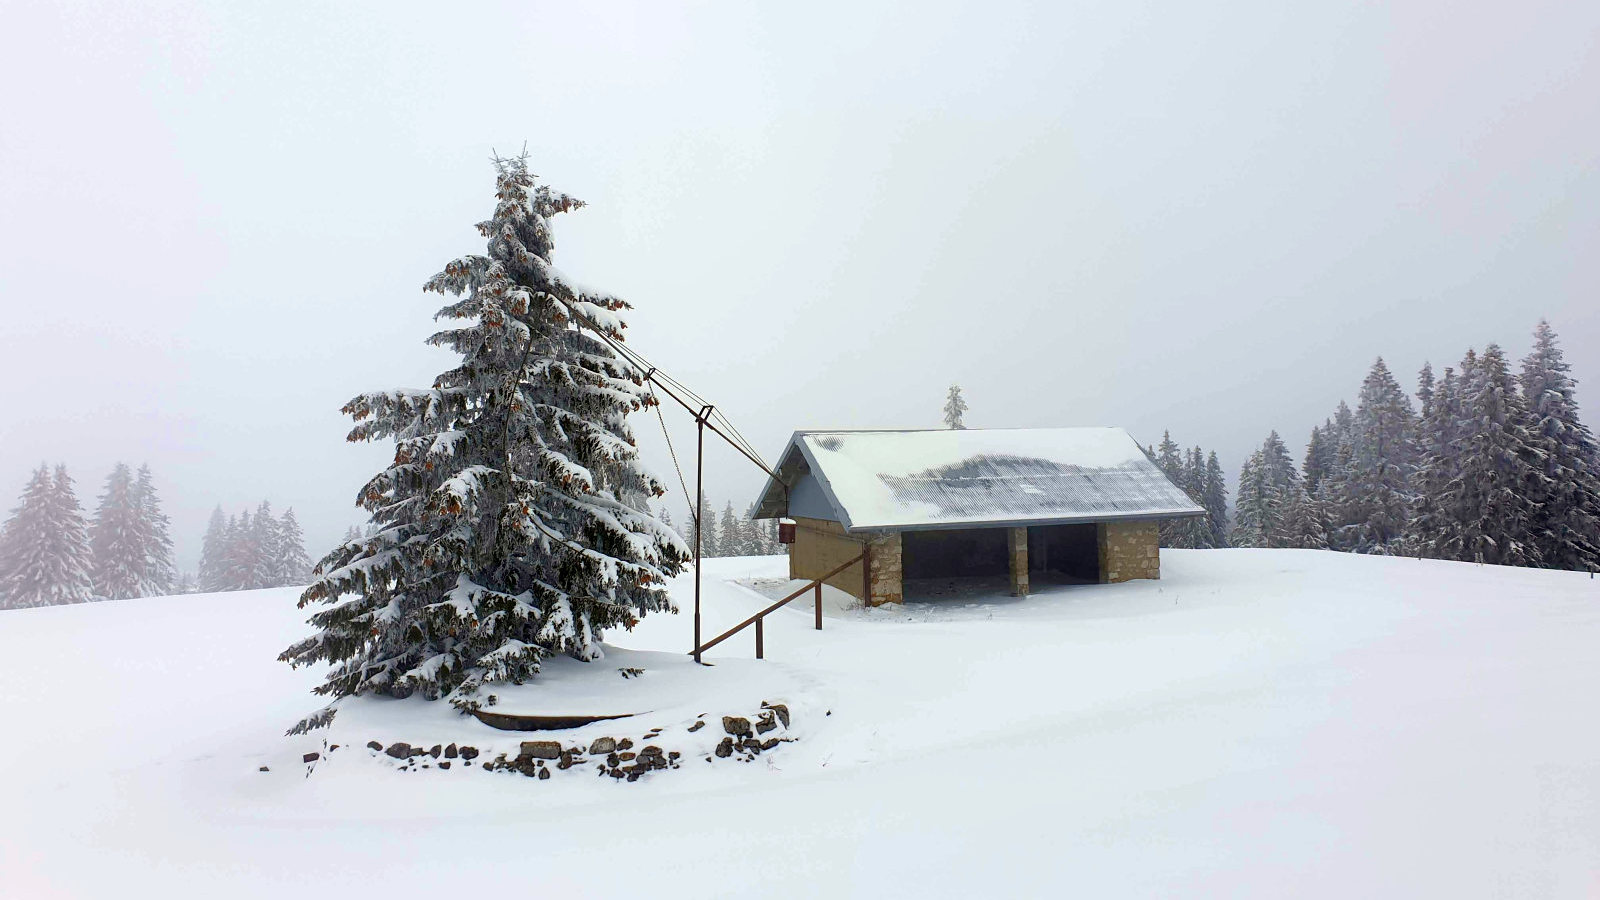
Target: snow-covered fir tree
[(1214, 497), (1268, 483), (1169, 459), (155, 532), (1321, 454), (1305, 520), (212, 575), (242, 556), (1491, 513), (1196, 531), (266, 547), (954, 408), (116, 544), (707, 537), (1433, 514), (514, 522), (293, 565), (47, 560), (734, 540), (1565, 525), (1370, 494)]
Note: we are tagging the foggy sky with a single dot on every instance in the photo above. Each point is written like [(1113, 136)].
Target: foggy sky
[(215, 220)]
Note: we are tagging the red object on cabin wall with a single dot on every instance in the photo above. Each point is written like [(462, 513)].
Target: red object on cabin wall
[(785, 531)]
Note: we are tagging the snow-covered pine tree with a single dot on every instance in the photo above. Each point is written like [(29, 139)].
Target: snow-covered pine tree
[(241, 566), (22, 521), (1499, 469), (214, 554), (1251, 508), (1305, 521), (1373, 499), (1267, 485), (1215, 501), (155, 532), (1169, 459), (51, 562), (514, 523), (954, 408), (1566, 502), (1197, 529), (294, 567), (268, 546), (1320, 455), (1432, 513), (1425, 391), (732, 539), (116, 543)]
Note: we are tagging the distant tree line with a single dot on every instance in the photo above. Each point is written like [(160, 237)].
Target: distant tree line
[(1488, 466), (49, 554), (245, 552), (1200, 476), (734, 535)]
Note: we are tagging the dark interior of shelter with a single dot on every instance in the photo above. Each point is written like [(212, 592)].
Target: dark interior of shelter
[(1063, 554), (954, 553), (1068, 553)]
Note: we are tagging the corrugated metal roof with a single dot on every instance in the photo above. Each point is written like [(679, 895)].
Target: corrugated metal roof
[(878, 480)]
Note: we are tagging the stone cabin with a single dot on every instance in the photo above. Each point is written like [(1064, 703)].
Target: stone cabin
[(1033, 506)]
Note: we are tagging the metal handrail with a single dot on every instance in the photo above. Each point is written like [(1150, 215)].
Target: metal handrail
[(814, 585)]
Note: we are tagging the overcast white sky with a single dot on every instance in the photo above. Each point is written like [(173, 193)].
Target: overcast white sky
[(215, 219)]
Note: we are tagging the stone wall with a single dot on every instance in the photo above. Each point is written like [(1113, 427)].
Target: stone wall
[(1017, 554), (821, 545), (1129, 550)]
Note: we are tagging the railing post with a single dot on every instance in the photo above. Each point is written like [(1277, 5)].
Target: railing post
[(819, 606), (866, 572), (761, 650)]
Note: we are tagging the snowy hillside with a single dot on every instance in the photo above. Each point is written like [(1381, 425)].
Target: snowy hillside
[(1259, 723)]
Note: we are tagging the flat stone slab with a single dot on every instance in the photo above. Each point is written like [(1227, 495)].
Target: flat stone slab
[(515, 722)]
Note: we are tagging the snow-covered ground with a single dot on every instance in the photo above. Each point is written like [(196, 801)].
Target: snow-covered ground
[(1258, 723)]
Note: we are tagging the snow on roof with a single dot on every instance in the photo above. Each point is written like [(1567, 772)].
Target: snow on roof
[(953, 478)]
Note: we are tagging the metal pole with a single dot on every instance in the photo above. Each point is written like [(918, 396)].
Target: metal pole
[(699, 524)]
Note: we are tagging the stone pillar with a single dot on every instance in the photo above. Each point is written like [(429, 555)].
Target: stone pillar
[(1129, 550), (1017, 544)]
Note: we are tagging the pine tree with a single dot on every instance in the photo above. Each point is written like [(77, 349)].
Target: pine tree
[(732, 536), (49, 559), (1433, 515), (241, 566), (266, 545), (212, 576), (1372, 499), (710, 547), (294, 567), (1268, 485), (1169, 459), (1320, 457), (155, 533), (1565, 524), (514, 522), (1499, 469), (115, 540), (1305, 522), (1215, 500), (954, 408), (1251, 509)]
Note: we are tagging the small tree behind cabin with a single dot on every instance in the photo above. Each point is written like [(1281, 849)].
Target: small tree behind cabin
[(954, 408)]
